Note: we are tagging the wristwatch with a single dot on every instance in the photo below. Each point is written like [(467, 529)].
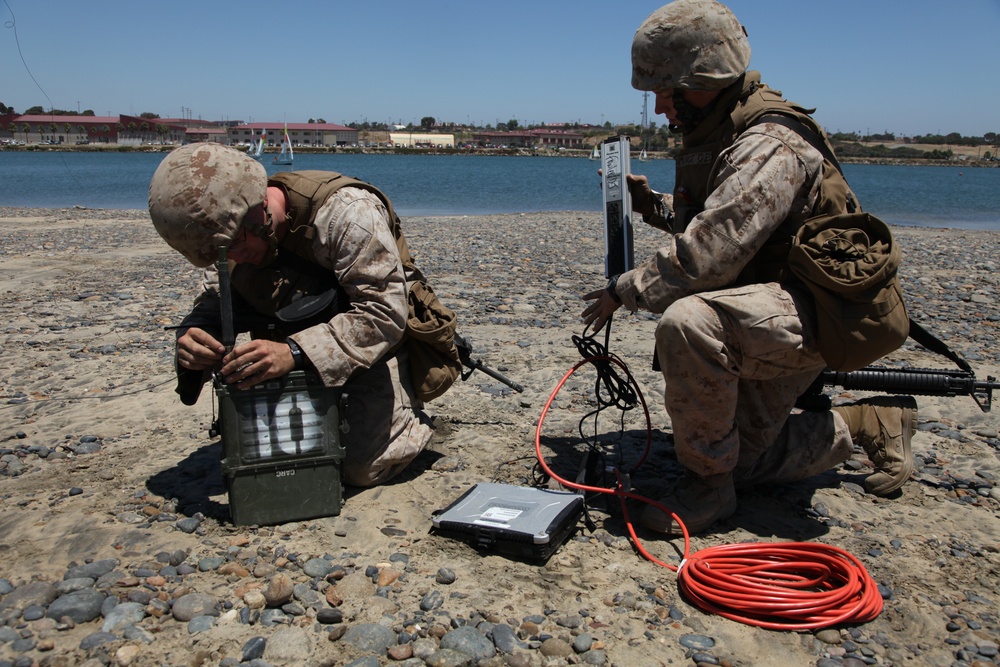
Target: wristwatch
[(613, 287), (297, 356)]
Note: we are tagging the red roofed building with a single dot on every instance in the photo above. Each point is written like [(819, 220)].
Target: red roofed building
[(135, 130), (64, 129)]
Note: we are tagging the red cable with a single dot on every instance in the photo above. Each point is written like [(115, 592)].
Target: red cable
[(780, 586)]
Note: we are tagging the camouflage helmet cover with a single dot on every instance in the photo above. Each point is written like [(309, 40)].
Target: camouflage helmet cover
[(692, 44), (199, 195)]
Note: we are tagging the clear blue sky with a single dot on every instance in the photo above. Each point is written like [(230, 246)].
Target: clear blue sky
[(907, 66)]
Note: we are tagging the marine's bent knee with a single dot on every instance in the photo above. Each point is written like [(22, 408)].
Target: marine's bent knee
[(684, 319)]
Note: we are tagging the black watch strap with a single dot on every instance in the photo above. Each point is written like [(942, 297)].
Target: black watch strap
[(297, 356), (613, 288)]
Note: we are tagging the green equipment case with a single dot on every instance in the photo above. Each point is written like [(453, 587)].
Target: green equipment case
[(281, 450)]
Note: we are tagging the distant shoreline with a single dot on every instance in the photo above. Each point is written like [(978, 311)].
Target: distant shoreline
[(512, 152)]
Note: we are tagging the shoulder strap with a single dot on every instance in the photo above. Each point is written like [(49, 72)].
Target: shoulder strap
[(934, 344)]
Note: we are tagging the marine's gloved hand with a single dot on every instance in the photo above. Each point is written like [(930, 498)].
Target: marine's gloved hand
[(643, 198)]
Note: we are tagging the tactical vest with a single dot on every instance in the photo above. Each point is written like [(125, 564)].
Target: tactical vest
[(697, 164), (272, 287)]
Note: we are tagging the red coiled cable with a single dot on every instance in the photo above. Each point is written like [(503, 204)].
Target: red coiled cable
[(780, 586)]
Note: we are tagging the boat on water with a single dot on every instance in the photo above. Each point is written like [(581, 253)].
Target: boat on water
[(643, 156), (257, 147), (596, 155), (286, 156)]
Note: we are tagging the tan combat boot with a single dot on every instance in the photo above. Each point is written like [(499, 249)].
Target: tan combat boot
[(698, 501), (883, 426)]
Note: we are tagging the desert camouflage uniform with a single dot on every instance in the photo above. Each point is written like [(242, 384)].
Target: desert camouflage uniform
[(735, 359), (387, 427)]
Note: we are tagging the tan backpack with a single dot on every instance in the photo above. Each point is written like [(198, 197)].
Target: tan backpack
[(849, 262)]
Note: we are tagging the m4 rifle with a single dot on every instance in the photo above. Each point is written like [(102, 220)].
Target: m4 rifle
[(917, 381), (465, 354)]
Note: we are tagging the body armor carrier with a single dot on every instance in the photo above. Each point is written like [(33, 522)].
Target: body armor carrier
[(739, 107), (295, 272)]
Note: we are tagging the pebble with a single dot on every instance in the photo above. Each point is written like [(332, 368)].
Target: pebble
[(253, 648), (470, 641), (288, 645), (188, 606), (97, 639), (317, 567), (200, 624), (445, 576), (370, 637), (81, 606), (829, 636), (696, 641), (431, 601), (505, 639), (124, 614)]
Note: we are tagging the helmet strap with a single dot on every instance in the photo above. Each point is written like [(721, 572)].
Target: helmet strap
[(688, 115)]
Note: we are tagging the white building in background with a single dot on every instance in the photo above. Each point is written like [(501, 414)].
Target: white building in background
[(421, 140), (300, 134)]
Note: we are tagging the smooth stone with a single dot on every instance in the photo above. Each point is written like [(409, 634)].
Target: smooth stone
[(33, 612), (553, 647), (36, 592), (94, 570), (308, 596), (271, 617), (594, 657), (697, 642), (200, 624), (81, 606), (253, 648), (124, 614), (329, 616), (431, 601), (288, 645), (317, 567), (210, 564), (470, 641), (505, 639), (74, 584), (188, 525), (188, 606), (370, 637), (829, 636), (583, 643), (278, 590), (23, 645), (135, 633), (97, 639)]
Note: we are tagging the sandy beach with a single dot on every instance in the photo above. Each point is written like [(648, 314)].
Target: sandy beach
[(116, 546)]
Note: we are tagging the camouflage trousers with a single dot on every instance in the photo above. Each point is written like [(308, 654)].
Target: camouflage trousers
[(734, 362), (386, 424)]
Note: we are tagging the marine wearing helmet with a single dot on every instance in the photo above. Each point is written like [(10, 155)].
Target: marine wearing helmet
[(199, 196), (689, 44)]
